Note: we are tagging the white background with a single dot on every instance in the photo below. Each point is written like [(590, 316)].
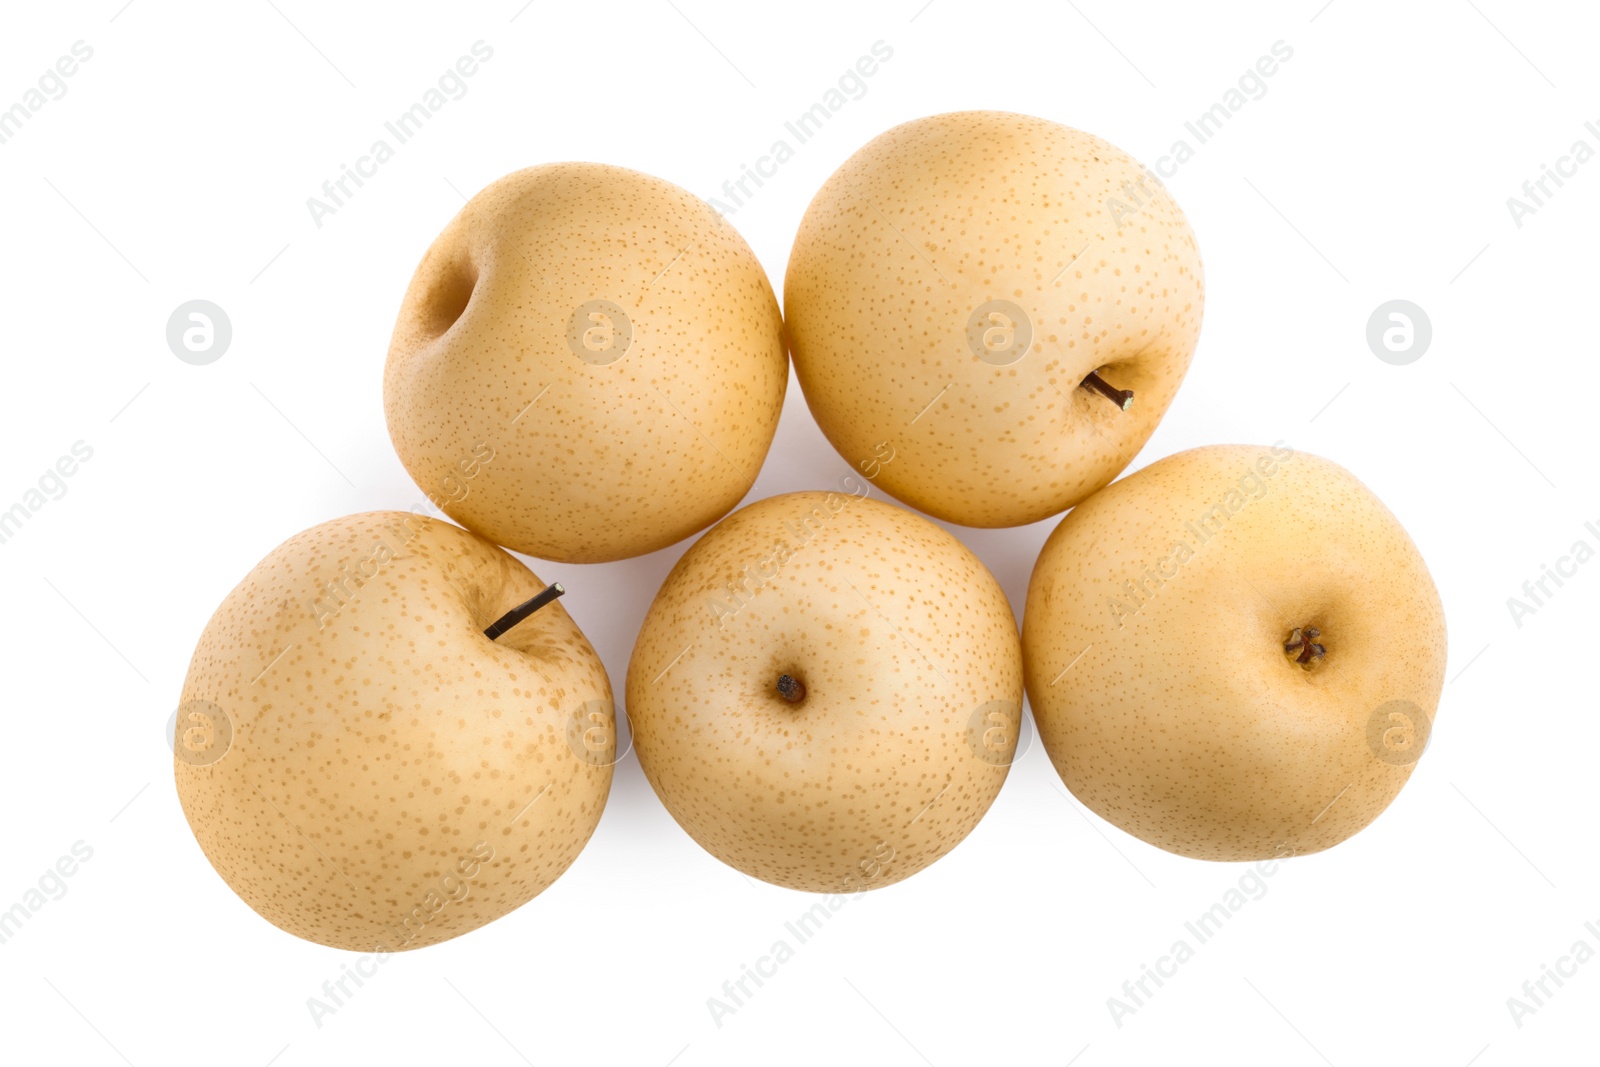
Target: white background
[(1377, 166)]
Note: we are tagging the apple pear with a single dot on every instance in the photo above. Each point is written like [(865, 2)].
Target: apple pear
[(362, 764), (1235, 653), (1008, 302), (609, 342), (826, 691)]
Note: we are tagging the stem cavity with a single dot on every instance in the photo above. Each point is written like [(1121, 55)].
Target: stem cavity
[(1123, 398)]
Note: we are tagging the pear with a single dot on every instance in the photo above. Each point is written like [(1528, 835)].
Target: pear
[(362, 763), (1235, 653), (601, 350), (1009, 303), (826, 691)]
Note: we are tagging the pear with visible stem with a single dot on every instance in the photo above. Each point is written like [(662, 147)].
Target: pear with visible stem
[(388, 734), (1009, 303)]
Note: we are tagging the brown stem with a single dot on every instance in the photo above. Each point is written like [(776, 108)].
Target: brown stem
[(1123, 398), (522, 611), (791, 689)]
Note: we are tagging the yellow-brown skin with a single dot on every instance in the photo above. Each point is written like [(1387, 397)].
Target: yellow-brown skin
[(379, 793), (614, 459), (898, 635), (1185, 723), (937, 217)]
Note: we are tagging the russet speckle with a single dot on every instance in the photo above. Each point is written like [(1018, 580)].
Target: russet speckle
[(937, 217), (1157, 673), (383, 747), (895, 631), (591, 460)]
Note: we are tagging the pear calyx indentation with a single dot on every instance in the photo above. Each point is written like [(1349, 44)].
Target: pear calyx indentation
[(791, 688), (1303, 647)]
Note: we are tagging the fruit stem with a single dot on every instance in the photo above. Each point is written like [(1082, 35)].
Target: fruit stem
[(791, 689), (1123, 398), (522, 611)]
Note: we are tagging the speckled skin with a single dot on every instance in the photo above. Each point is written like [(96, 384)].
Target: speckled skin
[(1187, 725), (897, 633), (933, 219), (612, 460), (389, 749)]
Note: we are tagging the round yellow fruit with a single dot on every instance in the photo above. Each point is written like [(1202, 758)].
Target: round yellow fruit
[(826, 691), (361, 764), (1235, 653), (609, 342), (953, 286)]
